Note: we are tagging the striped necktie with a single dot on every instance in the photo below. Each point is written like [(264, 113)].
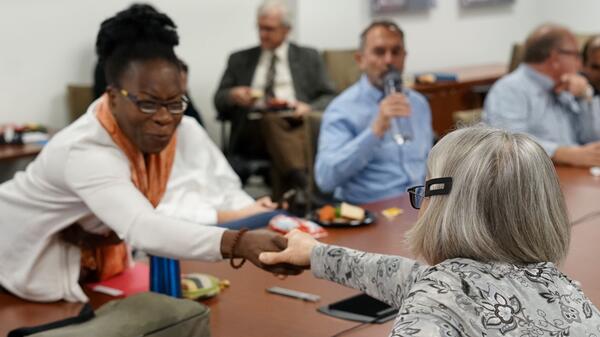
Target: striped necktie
[(270, 81)]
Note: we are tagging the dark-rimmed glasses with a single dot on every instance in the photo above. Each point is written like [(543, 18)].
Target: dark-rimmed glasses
[(436, 186), (175, 107), (574, 53)]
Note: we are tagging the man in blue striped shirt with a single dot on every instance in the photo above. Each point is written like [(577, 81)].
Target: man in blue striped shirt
[(358, 158)]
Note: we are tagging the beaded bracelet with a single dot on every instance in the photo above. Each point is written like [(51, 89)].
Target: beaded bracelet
[(236, 240)]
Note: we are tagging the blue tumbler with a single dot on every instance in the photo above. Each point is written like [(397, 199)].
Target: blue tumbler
[(165, 276)]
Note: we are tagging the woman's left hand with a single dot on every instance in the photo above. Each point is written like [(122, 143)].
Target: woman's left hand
[(298, 251), (262, 205), (266, 202)]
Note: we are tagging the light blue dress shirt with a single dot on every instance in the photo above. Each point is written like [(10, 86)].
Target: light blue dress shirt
[(357, 165), (524, 101)]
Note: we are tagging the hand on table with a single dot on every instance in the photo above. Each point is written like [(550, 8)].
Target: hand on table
[(264, 204), (585, 155)]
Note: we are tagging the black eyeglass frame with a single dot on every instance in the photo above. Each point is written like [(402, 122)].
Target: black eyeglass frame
[(137, 101), (412, 191), (573, 53)]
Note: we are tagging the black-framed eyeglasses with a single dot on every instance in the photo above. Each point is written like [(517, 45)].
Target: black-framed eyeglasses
[(175, 107), (436, 186), (574, 53)]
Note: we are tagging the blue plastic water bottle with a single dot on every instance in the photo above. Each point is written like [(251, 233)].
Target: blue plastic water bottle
[(165, 276)]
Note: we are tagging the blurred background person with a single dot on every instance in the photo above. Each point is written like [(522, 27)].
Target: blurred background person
[(275, 74), (591, 62), (547, 98), (358, 158)]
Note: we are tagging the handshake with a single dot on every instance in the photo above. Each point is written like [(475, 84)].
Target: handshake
[(282, 255)]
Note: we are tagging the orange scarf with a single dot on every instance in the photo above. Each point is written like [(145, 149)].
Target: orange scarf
[(149, 173)]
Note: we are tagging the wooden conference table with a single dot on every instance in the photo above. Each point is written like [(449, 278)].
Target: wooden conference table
[(246, 309)]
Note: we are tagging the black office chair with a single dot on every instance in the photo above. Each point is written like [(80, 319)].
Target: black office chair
[(244, 166)]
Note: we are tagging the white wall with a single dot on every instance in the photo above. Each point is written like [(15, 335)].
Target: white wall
[(582, 16), (49, 44)]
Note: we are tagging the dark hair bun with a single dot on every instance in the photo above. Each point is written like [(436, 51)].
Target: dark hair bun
[(140, 23)]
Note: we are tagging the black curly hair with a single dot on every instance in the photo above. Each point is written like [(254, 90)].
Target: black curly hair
[(138, 33)]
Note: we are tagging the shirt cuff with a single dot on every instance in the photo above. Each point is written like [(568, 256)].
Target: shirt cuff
[(206, 216), (317, 261), (218, 242)]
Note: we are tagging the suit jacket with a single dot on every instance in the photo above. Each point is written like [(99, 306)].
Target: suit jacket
[(311, 84)]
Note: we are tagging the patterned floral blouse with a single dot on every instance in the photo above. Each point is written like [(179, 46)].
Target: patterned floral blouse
[(463, 297)]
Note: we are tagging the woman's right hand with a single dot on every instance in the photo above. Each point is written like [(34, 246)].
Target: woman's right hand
[(298, 251), (252, 243)]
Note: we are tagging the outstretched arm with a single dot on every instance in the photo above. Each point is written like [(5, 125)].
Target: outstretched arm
[(385, 277)]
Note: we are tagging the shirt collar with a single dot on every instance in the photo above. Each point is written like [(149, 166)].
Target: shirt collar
[(281, 52), (544, 81), (369, 89)]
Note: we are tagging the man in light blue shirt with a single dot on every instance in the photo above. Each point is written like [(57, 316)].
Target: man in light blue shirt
[(358, 157), (546, 98)]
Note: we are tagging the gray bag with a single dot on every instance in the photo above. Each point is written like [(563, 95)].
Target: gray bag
[(145, 314)]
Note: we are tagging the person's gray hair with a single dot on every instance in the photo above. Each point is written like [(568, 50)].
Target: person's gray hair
[(505, 204), (281, 6)]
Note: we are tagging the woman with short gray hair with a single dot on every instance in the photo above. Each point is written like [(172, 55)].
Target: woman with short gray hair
[(493, 226)]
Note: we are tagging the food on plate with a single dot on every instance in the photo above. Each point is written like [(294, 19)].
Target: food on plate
[(343, 213), (352, 212), (326, 213)]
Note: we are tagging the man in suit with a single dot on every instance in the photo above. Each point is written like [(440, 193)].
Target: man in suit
[(275, 75)]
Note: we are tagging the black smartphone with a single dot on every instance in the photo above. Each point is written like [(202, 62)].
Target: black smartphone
[(360, 308)]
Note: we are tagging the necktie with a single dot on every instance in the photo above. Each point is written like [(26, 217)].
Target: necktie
[(270, 81)]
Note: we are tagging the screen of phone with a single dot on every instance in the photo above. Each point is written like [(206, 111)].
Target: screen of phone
[(362, 307)]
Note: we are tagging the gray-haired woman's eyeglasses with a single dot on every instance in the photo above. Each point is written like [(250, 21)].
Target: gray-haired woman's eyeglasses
[(436, 186)]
